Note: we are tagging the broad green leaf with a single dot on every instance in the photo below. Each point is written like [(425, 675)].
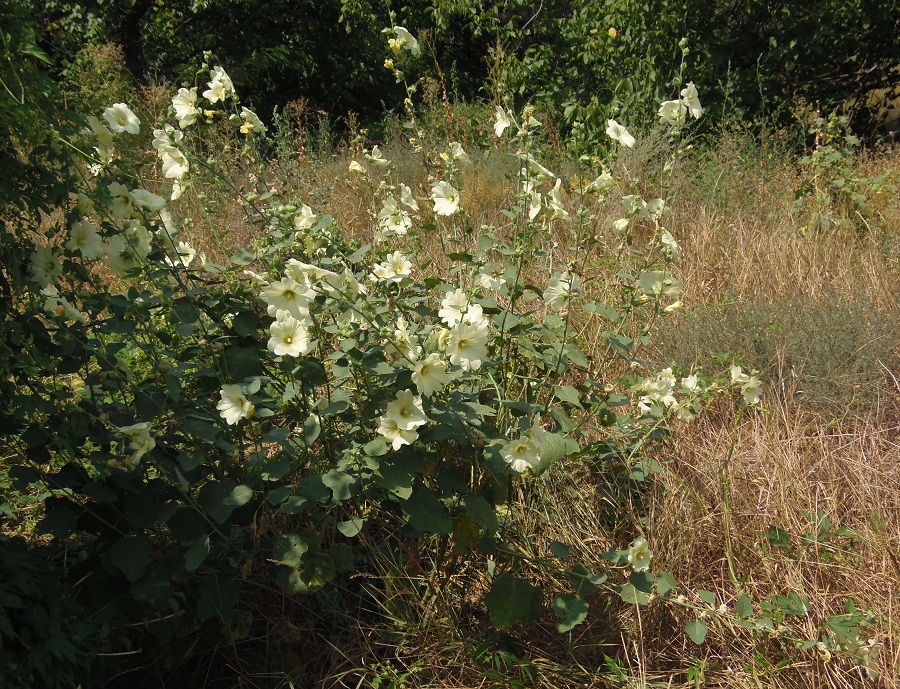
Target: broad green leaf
[(665, 583), (629, 594), (426, 512), (584, 582), (697, 631), (707, 597), (196, 553), (339, 483), (481, 511), (311, 429), (289, 549), (513, 600), (744, 606), (132, 554), (351, 527), (240, 495), (560, 550), (572, 609), (566, 393), (554, 447)]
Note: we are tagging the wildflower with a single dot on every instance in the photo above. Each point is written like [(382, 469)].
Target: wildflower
[(220, 86), (452, 307), (104, 140), (603, 182), (356, 167), (121, 201), (635, 206), (287, 296), (83, 237), (738, 376), (618, 133), (560, 290), (657, 207), (138, 238), (145, 199), (377, 158), (458, 154), (467, 346), (234, 405), (534, 204), (521, 454), (751, 390), (406, 41), (289, 337), (406, 410), (45, 265), (639, 555), (305, 218), (121, 119), (556, 202), (184, 254), (140, 441), (122, 257), (407, 198), (672, 112), (538, 169), (491, 276), (445, 197), (174, 164), (656, 283), (395, 268), (670, 246), (252, 123), (393, 218), (474, 316), (691, 99), (185, 104), (430, 375), (690, 383), (398, 437), (501, 121)]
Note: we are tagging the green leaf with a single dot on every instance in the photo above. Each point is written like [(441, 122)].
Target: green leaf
[(744, 606), (240, 495), (696, 630), (584, 582), (572, 609), (566, 393), (241, 362), (289, 549), (554, 447), (196, 553), (513, 600), (707, 597), (665, 583), (276, 496), (204, 430), (246, 324), (481, 512), (560, 550), (339, 483), (396, 480), (132, 554), (243, 256), (630, 594), (427, 513), (315, 573), (351, 527), (311, 429)]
